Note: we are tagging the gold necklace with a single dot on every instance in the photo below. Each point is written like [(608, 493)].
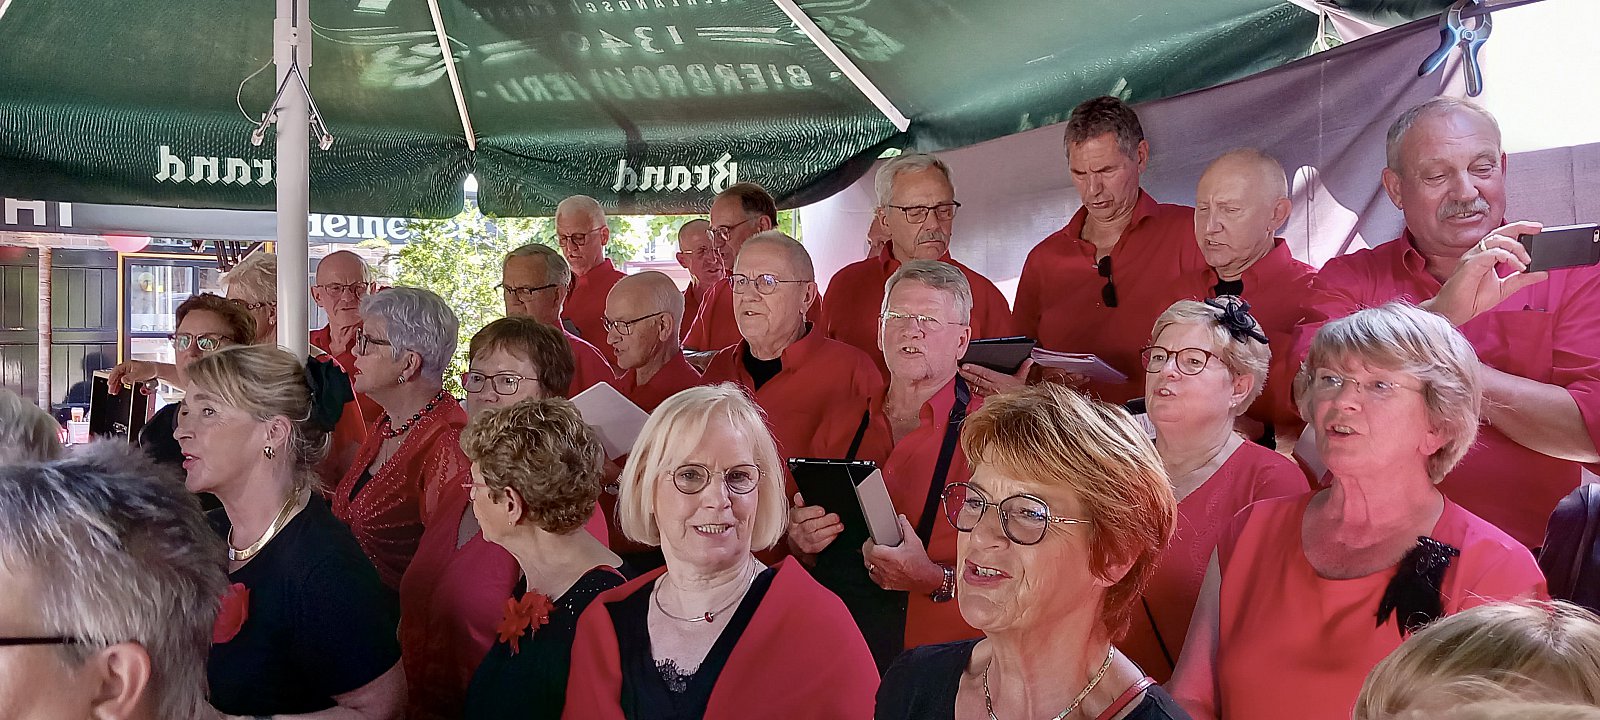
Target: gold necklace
[(244, 554), (988, 702)]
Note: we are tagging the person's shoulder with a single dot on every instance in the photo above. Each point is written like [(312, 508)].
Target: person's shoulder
[(1458, 526), (949, 658), (923, 681), (864, 267)]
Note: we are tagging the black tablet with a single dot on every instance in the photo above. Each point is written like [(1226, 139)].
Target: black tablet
[(121, 415), (831, 484), (1003, 355)]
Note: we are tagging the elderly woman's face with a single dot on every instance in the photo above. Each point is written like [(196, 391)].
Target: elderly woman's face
[(199, 327), (500, 370), (1007, 587), (263, 309), (376, 369), (1174, 397), (1370, 421), (221, 443), (711, 529)]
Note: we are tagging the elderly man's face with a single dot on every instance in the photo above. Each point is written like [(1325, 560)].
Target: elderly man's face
[(1451, 183), (583, 240), (639, 328), (1106, 177), (770, 318), (928, 344), (926, 192), (728, 216), (1236, 215), (341, 284), (524, 286), (34, 682), (699, 255)]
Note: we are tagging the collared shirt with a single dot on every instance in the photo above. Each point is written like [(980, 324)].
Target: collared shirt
[(674, 377), (322, 339), (1545, 332), (855, 301), (714, 326), (590, 368), (586, 305), (1059, 294), (693, 295)]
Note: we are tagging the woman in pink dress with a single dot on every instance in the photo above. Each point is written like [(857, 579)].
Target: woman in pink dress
[(1206, 363), (1306, 594)]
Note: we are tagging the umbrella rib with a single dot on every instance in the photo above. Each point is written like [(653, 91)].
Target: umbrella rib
[(450, 70), (844, 63)]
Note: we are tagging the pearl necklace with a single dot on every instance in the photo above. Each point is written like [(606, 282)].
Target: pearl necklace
[(244, 554), (393, 432), (988, 703)]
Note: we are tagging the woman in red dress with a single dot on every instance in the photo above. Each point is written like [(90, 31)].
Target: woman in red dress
[(1206, 363), (1306, 594)]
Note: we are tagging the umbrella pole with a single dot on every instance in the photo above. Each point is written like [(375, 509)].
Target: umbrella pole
[(292, 46)]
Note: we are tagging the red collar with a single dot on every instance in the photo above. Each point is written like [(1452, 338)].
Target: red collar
[(1143, 208)]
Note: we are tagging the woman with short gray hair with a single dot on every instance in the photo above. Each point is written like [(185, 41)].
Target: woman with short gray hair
[(413, 454), (27, 434)]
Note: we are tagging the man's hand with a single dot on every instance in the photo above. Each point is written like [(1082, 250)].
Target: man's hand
[(342, 339), (905, 566), (1477, 285), (985, 382), (811, 528), (131, 373)]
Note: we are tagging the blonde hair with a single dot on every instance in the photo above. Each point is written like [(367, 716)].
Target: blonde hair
[(266, 382), (1243, 358), (1544, 650), (255, 277), (543, 450), (1055, 437), (1403, 338), (668, 436)]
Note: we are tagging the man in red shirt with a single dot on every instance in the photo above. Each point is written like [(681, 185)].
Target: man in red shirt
[(916, 208), (342, 280), (582, 233), (534, 281), (642, 316), (1241, 201), (737, 214), (1098, 284), (699, 255), (1535, 333)]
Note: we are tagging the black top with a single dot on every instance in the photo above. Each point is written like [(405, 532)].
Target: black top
[(320, 621), (156, 437), (533, 682), (760, 370), (662, 692), (922, 684)]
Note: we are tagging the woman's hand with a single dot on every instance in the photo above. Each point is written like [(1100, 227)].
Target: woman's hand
[(905, 566), (132, 373), (812, 528)]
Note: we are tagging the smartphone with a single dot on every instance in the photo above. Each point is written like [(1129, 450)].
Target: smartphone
[(1563, 247)]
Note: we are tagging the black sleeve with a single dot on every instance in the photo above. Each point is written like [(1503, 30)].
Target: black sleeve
[(346, 635)]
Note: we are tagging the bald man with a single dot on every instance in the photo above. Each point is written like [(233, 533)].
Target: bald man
[(699, 255), (1241, 202), (642, 316), (737, 214), (533, 281), (582, 233), (342, 280)]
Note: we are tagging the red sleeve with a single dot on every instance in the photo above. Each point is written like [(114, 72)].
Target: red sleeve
[(1575, 346), (1511, 575), (445, 466), (836, 287), (1279, 477), (1334, 294), (594, 687), (1230, 537)]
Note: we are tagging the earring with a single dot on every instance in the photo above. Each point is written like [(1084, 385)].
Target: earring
[(268, 452), (400, 379)]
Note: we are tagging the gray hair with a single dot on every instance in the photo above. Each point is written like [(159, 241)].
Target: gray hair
[(255, 277), (1102, 115), (1434, 106), (119, 552), (582, 204), (1243, 358), (419, 321), (557, 270), (1400, 337), (27, 433), (883, 182), (937, 275), (795, 253)]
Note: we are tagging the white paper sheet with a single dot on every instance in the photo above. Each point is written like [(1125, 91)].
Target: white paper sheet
[(615, 418), (1085, 364)]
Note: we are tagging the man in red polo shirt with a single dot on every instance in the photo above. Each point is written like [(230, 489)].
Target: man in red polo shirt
[(1098, 284), (342, 280), (699, 255), (642, 316), (534, 281), (737, 214), (916, 208), (582, 233), (1535, 333), (1241, 201)]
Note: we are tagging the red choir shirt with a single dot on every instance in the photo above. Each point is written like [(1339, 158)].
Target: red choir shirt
[(1152, 266), (1251, 473), (815, 404), (322, 339), (855, 301), (451, 598), (586, 305), (366, 410), (800, 657), (1545, 332), (714, 326), (908, 474), (1290, 638), (590, 368), (693, 295), (674, 377), (1278, 289), (389, 513)]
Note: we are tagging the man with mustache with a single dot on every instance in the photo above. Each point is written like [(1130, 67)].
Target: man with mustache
[(916, 209), (1535, 333), (582, 232)]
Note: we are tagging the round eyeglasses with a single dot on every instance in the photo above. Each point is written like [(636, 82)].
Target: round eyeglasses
[(691, 478), (765, 283), (1023, 518), (357, 289), (1190, 361), (503, 383)]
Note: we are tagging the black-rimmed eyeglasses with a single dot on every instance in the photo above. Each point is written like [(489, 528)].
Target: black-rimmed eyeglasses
[(1108, 292), (364, 342), (691, 478), (25, 641), (578, 239), (503, 383), (523, 294), (918, 214), (1023, 518), (625, 327)]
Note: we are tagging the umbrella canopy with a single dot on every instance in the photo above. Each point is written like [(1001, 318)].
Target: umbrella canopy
[(651, 106)]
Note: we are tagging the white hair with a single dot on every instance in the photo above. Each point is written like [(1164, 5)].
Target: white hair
[(883, 182), (27, 433), (418, 321), (937, 275), (255, 277), (557, 270), (1439, 105)]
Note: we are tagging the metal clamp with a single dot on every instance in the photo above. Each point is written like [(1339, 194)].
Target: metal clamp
[(1454, 33)]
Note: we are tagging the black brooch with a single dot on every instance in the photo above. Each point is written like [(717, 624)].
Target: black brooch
[(1236, 318), (1413, 594)]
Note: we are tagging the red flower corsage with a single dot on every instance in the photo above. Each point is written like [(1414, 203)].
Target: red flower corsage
[(235, 610), (527, 614)]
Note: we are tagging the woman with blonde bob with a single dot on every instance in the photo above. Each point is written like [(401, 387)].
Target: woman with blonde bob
[(1306, 594), (714, 634), (1060, 528), (1547, 651)]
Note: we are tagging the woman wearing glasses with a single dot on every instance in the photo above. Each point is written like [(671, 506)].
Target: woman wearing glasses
[(1206, 363), (206, 323), (1304, 595), (1061, 525), (715, 634)]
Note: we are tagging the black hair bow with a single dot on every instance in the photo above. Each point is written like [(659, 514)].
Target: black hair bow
[(330, 391), (1413, 594), (1236, 318)]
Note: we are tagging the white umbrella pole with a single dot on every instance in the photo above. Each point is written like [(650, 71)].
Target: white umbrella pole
[(291, 46)]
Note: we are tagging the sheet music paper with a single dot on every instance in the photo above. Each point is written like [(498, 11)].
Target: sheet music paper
[(614, 418)]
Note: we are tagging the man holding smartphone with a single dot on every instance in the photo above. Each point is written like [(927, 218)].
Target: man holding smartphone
[(1534, 331)]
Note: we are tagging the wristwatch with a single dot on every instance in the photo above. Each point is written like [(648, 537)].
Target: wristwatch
[(947, 589)]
